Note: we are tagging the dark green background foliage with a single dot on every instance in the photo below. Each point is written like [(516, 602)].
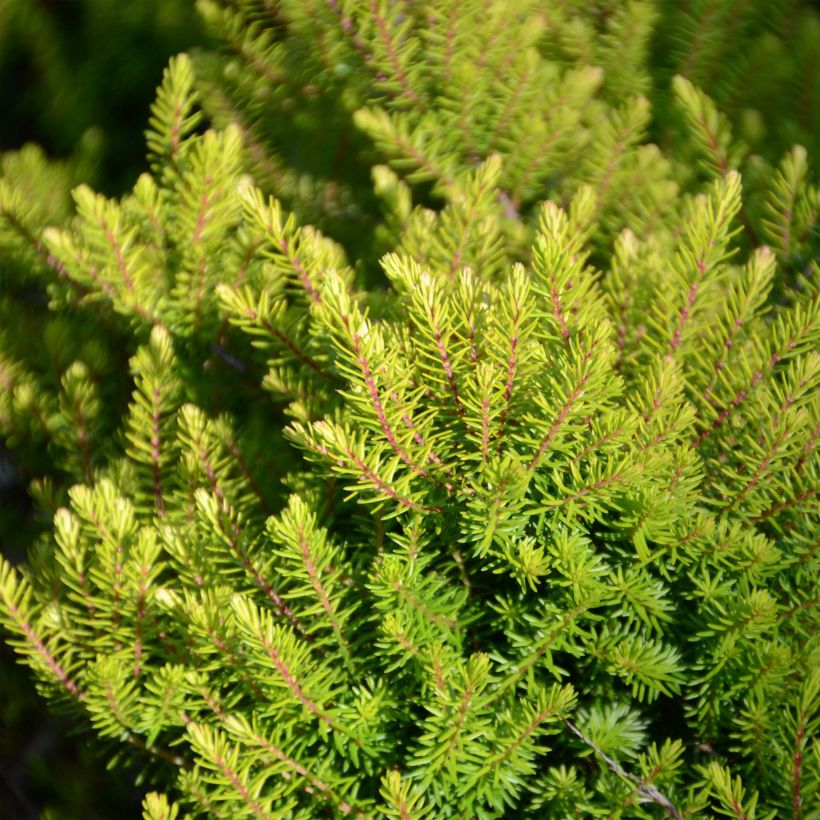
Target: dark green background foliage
[(428, 424), (78, 76)]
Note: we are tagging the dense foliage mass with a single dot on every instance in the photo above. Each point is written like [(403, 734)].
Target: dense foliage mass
[(433, 431)]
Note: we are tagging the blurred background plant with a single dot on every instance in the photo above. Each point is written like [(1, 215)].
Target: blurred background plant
[(77, 77)]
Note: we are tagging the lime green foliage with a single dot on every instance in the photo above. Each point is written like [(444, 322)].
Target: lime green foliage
[(500, 503)]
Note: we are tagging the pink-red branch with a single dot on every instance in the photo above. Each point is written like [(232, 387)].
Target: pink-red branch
[(378, 407), (556, 425), (159, 502), (56, 669), (297, 265), (512, 367), (685, 312), (290, 345), (231, 775), (446, 363), (392, 55), (760, 472), (282, 608), (592, 488)]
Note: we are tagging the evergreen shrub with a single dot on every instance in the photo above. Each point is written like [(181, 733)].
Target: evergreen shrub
[(432, 432)]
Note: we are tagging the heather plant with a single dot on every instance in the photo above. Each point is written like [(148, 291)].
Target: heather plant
[(419, 439)]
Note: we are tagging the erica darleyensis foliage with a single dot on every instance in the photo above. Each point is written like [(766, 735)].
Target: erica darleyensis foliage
[(420, 439)]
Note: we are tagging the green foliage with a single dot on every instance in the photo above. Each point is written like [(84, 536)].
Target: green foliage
[(77, 78), (417, 439)]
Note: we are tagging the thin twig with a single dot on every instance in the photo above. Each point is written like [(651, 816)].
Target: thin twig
[(163, 754), (645, 790)]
